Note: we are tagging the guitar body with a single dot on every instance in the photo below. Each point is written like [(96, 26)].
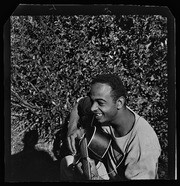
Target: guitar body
[(94, 145), (98, 142), (85, 159)]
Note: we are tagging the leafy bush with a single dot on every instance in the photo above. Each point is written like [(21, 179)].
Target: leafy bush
[(53, 59)]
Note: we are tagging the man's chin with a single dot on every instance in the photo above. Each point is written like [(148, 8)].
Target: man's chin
[(104, 123)]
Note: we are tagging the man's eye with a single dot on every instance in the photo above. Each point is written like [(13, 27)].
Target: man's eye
[(101, 104)]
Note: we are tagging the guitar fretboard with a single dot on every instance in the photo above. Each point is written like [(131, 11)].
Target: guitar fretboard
[(85, 159)]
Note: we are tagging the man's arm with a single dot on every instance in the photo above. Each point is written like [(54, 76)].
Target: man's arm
[(73, 131), (73, 120)]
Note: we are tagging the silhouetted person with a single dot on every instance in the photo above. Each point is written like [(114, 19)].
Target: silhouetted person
[(32, 165), (60, 148)]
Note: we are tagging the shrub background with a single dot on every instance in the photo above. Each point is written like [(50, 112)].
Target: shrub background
[(53, 59)]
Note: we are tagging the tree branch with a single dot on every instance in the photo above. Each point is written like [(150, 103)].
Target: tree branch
[(23, 130), (24, 102)]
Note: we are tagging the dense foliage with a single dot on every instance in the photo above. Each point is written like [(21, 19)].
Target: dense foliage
[(53, 59)]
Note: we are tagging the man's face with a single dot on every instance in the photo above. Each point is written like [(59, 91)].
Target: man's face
[(103, 106)]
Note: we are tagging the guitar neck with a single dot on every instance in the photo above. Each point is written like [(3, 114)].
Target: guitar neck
[(85, 159)]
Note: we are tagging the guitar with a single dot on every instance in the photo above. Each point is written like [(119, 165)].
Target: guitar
[(94, 144), (86, 166)]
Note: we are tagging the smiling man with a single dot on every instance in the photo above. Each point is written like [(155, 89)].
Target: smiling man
[(134, 150)]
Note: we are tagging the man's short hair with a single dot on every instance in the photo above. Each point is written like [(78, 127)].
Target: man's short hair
[(114, 81)]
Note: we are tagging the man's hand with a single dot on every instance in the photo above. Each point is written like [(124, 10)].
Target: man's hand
[(94, 172), (71, 138)]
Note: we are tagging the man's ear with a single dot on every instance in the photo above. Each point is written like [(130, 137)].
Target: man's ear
[(120, 102)]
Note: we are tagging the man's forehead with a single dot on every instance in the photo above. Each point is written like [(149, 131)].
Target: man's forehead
[(100, 89)]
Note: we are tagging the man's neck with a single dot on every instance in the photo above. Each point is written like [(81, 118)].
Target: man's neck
[(123, 123)]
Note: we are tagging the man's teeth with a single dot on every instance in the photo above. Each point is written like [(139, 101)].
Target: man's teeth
[(98, 114)]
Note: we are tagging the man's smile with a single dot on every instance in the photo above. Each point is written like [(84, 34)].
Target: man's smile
[(98, 115)]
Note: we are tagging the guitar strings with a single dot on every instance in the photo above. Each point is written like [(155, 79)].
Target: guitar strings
[(112, 170)]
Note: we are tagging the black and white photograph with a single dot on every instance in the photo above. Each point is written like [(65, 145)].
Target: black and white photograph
[(91, 94)]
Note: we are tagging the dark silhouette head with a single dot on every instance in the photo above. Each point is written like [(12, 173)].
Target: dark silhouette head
[(30, 138)]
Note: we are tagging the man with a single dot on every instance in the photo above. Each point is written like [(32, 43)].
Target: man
[(134, 150)]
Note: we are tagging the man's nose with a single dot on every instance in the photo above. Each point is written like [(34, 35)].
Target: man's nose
[(94, 107)]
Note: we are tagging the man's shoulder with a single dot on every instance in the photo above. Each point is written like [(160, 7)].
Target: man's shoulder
[(84, 105), (142, 127), (140, 122), (146, 135), (83, 100)]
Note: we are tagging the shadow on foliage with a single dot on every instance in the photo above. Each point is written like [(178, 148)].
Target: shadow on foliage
[(32, 165)]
